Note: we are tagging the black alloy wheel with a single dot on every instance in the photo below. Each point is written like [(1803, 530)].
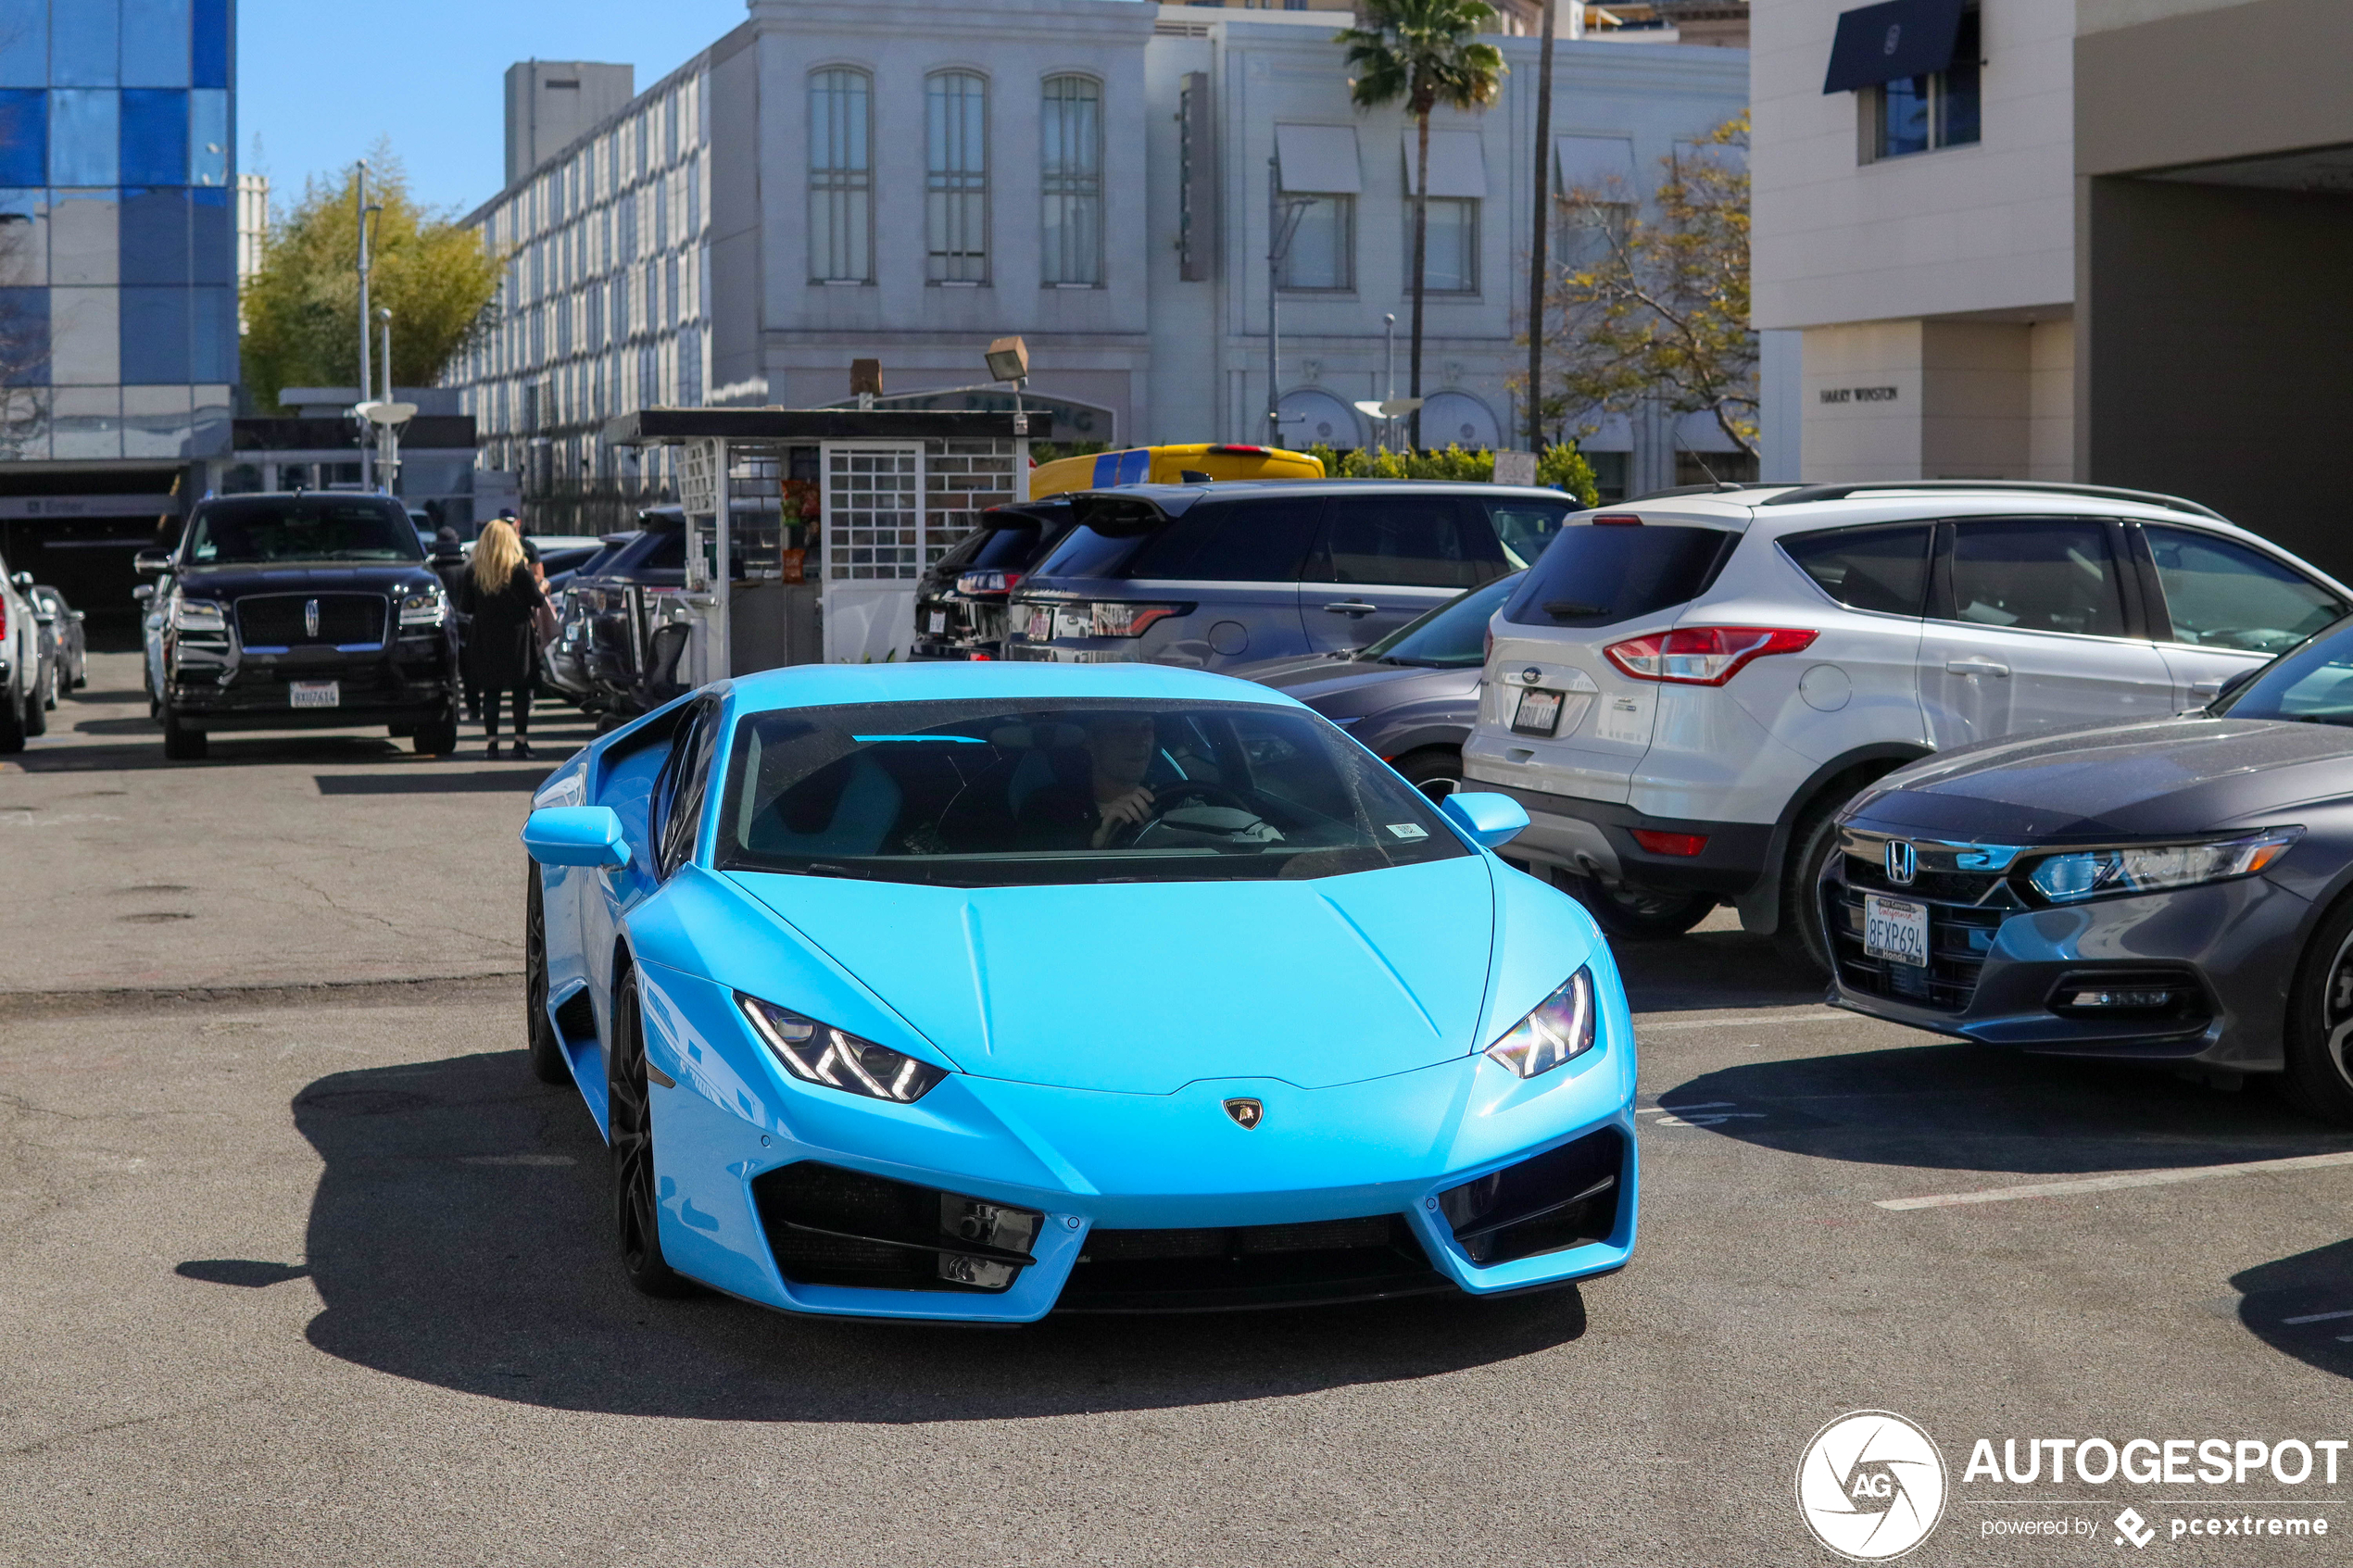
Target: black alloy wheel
[(180, 743), (1635, 914), (547, 1064), (1435, 770), (2320, 1024), (630, 1121)]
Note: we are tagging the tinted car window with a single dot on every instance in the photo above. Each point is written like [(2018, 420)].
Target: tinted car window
[(303, 528), (2219, 594), (1881, 569), (1005, 549), (667, 553), (681, 791), (1262, 539), (1452, 636), (1527, 526), (1408, 540), (1085, 553), (2038, 575), (1598, 576), (2313, 684)]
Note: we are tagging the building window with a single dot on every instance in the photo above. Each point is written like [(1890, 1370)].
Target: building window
[(956, 177), (1919, 114), (1072, 179), (1450, 246), (1592, 233), (1322, 256), (840, 179)]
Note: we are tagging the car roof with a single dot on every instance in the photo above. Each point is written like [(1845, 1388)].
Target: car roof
[(805, 686), (1777, 509), (1165, 493)]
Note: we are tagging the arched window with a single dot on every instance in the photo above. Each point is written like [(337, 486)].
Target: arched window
[(1072, 179), (956, 177), (841, 178)]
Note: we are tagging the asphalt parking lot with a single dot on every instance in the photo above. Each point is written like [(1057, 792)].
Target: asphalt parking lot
[(301, 1266)]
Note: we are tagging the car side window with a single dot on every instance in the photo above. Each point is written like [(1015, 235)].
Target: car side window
[(2035, 574), (1406, 540), (1526, 526), (678, 799), (1877, 568), (1258, 540), (2218, 594)]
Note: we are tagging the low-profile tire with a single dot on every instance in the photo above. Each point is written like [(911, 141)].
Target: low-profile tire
[(630, 1132), (2320, 1024), (12, 724), (1436, 771), (1799, 936), (547, 1064), (180, 743), (436, 739), (1635, 914)]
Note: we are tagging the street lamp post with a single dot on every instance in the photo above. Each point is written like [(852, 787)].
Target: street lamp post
[(363, 208), (1389, 375), (388, 432), (1538, 261)]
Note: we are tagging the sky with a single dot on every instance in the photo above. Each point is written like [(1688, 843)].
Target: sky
[(320, 83)]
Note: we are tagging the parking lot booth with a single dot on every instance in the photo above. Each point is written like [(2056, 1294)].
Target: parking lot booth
[(892, 489)]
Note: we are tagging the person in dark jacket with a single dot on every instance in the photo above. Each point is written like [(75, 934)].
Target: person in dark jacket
[(449, 563), (499, 594)]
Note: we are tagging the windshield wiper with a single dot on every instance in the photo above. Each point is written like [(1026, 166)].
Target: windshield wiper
[(1570, 607)]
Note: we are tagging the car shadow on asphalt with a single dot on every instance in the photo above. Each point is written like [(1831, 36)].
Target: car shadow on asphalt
[(2302, 1306), (1711, 968), (1950, 1105), (443, 782), (459, 1235)]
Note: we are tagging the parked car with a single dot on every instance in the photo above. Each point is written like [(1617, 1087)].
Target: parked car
[(2172, 890), (961, 598), (1217, 576), (562, 663), (618, 639), (24, 668), (1170, 465), (1688, 688), (73, 646), (882, 1017), (312, 610), (1411, 697)]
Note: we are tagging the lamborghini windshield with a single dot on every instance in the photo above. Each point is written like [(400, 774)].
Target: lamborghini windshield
[(995, 792)]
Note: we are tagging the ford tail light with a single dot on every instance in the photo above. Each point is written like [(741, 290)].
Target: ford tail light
[(1703, 656)]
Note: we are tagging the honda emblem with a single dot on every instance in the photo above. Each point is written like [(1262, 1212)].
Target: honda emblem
[(1903, 863)]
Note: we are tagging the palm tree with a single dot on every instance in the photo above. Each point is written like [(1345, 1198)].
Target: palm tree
[(1428, 53)]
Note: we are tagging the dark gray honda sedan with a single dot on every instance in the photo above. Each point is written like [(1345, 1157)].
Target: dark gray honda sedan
[(2173, 890)]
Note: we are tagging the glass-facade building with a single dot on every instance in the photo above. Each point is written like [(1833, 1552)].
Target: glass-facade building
[(118, 228)]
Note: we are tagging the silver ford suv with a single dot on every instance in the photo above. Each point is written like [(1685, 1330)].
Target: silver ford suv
[(1687, 688)]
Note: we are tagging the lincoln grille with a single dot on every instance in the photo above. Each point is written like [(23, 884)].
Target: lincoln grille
[(281, 621)]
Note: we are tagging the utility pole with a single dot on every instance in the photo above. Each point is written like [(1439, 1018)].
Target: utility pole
[(388, 433), (360, 200), (1539, 262)]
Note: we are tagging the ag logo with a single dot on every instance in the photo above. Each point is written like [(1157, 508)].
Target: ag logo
[(1871, 1486)]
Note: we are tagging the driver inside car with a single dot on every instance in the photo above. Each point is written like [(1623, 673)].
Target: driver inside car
[(1069, 814)]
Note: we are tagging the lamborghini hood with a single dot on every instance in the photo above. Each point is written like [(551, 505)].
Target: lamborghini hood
[(1144, 988)]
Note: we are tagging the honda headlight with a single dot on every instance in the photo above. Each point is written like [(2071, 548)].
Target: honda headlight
[(1560, 1029), (428, 607), (819, 1053), (197, 615), (2153, 868)]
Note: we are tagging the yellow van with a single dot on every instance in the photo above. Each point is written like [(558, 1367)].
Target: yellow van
[(1168, 465)]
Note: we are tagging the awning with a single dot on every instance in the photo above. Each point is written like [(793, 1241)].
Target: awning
[(1897, 39), (1319, 159), (1595, 163), (1457, 164)]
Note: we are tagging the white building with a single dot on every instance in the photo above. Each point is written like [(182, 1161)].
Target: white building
[(905, 180)]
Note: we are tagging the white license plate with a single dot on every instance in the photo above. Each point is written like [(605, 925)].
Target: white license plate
[(939, 621), (315, 694), (1538, 713), (1041, 625), (1895, 929)]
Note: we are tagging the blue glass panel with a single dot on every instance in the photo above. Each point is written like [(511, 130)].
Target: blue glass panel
[(208, 137), (155, 337), (154, 136), (155, 236), (24, 43), (24, 327), (81, 138), (212, 239), (84, 37), (24, 138), (208, 61), (155, 42), (214, 335)]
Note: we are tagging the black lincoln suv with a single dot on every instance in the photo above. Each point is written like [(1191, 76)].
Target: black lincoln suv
[(310, 611)]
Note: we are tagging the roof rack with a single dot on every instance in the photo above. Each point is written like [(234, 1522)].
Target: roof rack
[(1717, 488), (2106, 492)]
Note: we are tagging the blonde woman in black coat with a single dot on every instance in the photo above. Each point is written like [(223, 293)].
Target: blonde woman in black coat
[(500, 592)]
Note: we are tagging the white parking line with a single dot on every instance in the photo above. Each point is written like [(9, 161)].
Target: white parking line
[(2319, 1317), (2110, 1183)]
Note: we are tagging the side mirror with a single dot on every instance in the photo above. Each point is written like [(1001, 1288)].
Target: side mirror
[(580, 835), (23, 579), (151, 563), (1491, 820), (143, 593)]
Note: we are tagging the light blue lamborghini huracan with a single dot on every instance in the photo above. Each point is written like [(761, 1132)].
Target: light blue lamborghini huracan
[(980, 991)]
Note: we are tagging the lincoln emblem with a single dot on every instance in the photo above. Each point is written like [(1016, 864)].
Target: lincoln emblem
[(310, 618), (1245, 1113)]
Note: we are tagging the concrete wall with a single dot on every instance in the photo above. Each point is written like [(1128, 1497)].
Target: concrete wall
[(2230, 82), (551, 104)]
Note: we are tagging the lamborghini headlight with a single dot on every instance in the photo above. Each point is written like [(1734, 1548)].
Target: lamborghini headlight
[(2156, 868), (819, 1053), (1560, 1029)]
